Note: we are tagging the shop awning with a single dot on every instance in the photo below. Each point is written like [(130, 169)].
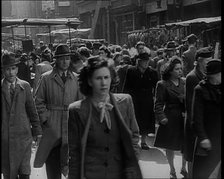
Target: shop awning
[(71, 22), (195, 21)]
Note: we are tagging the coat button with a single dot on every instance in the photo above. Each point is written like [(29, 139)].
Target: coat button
[(107, 131), (106, 149), (105, 164)]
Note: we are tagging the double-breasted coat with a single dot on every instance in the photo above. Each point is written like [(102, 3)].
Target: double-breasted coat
[(206, 123), (80, 120), (169, 103), (192, 79), (19, 123), (52, 99), (141, 87)]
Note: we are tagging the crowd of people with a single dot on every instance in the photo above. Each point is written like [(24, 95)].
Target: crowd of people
[(90, 109)]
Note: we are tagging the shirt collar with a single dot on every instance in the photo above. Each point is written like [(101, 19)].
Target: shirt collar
[(60, 72)]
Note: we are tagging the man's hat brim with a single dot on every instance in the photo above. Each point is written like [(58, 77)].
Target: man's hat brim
[(61, 55), (9, 65)]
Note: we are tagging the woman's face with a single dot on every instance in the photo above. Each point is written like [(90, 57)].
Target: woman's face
[(177, 71), (100, 81)]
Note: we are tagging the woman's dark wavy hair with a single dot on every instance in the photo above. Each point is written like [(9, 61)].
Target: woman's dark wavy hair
[(106, 50), (87, 71), (170, 66)]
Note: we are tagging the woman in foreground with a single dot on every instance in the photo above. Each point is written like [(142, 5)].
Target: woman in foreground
[(103, 134)]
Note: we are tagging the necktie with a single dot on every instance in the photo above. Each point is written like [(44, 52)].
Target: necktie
[(105, 107), (63, 77), (12, 91)]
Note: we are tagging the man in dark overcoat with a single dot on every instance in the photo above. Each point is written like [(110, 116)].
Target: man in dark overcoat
[(140, 84), (20, 124), (55, 91), (203, 56)]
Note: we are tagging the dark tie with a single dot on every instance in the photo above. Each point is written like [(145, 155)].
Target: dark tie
[(12, 91), (63, 77)]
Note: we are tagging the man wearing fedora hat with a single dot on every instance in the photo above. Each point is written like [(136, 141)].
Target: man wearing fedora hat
[(188, 56), (206, 123), (56, 89), (169, 51), (20, 122), (140, 84)]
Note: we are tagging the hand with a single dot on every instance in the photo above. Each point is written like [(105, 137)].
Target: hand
[(37, 139), (206, 144), (164, 121)]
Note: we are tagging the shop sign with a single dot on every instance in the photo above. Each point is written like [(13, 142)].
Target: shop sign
[(48, 4), (63, 3)]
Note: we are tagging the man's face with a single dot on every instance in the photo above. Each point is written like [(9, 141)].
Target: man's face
[(143, 63), (203, 62), (141, 48), (10, 73), (63, 62)]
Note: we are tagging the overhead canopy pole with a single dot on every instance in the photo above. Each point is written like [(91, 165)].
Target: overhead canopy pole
[(49, 28), (13, 38)]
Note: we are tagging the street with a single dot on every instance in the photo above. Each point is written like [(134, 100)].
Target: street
[(153, 164)]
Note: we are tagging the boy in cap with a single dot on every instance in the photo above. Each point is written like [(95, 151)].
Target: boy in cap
[(20, 122), (56, 89), (188, 56), (140, 84), (206, 123), (203, 56)]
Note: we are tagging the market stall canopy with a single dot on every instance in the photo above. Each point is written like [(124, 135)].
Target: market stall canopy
[(195, 21), (80, 40), (8, 36), (71, 22), (64, 33)]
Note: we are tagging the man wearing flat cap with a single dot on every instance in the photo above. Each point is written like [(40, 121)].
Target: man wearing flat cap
[(140, 84), (203, 56), (56, 89), (206, 123), (188, 56), (20, 123)]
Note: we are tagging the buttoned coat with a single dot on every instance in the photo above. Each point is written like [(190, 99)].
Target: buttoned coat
[(79, 123), (169, 103), (192, 79), (141, 87), (52, 99), (206, 123), (19, 123)]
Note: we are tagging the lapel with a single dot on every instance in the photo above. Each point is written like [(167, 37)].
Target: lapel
[(5, 92), (115, 103), (85, 109), (18, 88), (57, 78)]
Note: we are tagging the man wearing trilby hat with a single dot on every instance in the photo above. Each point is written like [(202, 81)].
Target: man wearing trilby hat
[(56, 89), (188, 56), (19, 119)]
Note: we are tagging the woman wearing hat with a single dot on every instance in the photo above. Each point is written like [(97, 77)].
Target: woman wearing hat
[(103, 133), (169, 109), (19, 121), (206, 123)]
